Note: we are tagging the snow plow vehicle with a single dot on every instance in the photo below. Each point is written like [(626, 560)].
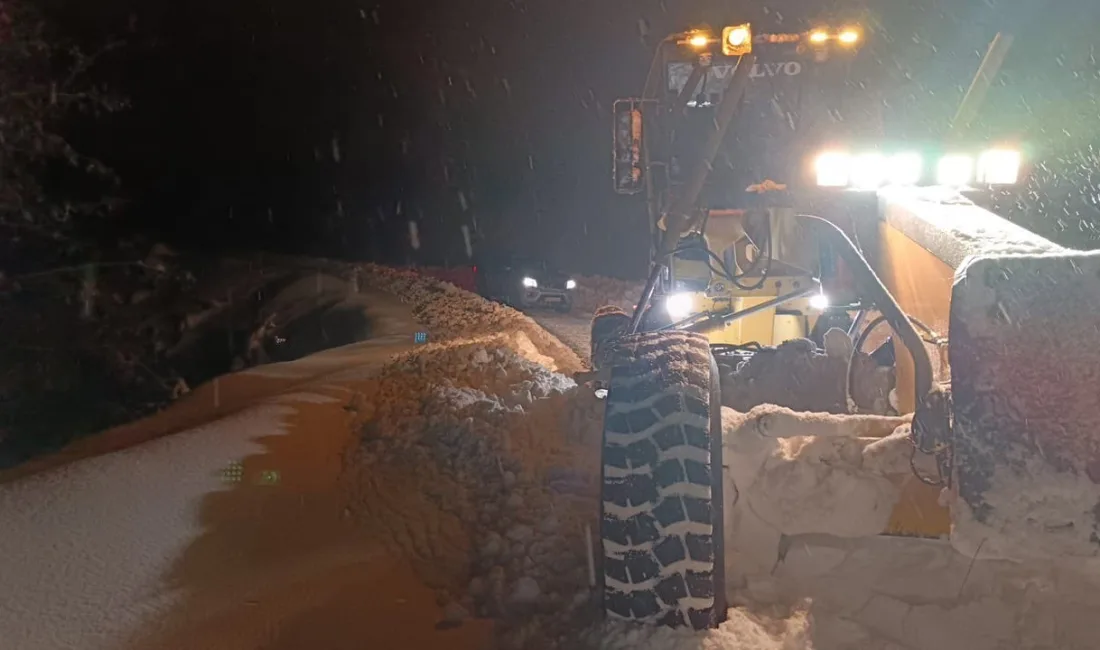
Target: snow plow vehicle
[(928, 361)]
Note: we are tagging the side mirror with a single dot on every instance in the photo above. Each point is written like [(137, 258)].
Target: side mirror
[(628, 168)]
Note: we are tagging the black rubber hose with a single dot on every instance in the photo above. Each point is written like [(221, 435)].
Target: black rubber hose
[(870, 285)]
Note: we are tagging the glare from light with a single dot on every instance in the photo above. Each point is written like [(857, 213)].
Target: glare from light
[(848, 37), (955, 170), (736, 40), (678, 306), (833, 168), (570, 284), (819, 301), (699, 41), (818, 36), (530, 283), (904, 169), (868, 171), (999, 167), (738, 36)]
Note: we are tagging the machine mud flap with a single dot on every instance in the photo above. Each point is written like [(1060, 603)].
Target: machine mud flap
[(1025, 361)]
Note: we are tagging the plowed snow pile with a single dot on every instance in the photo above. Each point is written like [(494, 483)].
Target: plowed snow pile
[(595, 291), (480, 462), (450, 313), (482, 466)]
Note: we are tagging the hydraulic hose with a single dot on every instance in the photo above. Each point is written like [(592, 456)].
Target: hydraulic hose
[(871, 286)]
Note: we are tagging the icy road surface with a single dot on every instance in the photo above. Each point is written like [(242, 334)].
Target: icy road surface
[(230, 534)]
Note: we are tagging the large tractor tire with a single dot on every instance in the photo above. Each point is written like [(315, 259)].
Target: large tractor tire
[(661, 506), (609, 323)]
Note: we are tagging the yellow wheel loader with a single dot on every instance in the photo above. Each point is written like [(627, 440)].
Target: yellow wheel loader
[(835, 276)]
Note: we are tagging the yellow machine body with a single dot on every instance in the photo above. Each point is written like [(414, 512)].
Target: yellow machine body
[(915, 246), (727, 232)]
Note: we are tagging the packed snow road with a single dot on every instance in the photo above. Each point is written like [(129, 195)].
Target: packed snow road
[(572, 329), (230, 534)]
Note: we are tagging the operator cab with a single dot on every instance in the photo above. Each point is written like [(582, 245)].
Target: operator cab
[(800, 86)]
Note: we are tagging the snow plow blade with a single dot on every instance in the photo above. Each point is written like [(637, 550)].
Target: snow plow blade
[(1025, 359)]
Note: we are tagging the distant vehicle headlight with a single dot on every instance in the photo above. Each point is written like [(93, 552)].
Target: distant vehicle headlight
[(999, 167), (955, 170), (570, 284), (678, 306), (530, 283)]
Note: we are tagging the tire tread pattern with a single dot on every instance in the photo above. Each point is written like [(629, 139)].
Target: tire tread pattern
[(657, 526)]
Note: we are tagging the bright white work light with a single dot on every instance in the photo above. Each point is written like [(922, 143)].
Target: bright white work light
[(999, 167), (833, 169), (530, 283), (570, 284), (868, 171), (678, 306), (904, 169), (955, 170), (819, 301)]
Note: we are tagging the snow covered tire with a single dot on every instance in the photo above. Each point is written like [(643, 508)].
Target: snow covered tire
[(608, 325), (661, 514)]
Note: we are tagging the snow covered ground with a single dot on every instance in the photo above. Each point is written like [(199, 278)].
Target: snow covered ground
[(394, 495), (572, 329)]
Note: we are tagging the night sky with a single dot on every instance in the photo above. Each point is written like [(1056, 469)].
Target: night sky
[(322, 127)]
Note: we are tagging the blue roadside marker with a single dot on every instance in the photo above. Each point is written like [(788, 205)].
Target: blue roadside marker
[(421, 337)]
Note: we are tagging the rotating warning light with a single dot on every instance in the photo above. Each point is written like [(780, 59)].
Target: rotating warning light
[(819, 36), (698, 40), (737, 40), (848, 36)]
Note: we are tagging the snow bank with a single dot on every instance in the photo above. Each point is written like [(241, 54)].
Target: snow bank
[(482, 463), (742, 630), (595, 291), (477, 463), (451, 313), (808, 494)]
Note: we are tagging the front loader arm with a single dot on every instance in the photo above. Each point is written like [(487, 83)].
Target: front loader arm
[(678, 219)]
